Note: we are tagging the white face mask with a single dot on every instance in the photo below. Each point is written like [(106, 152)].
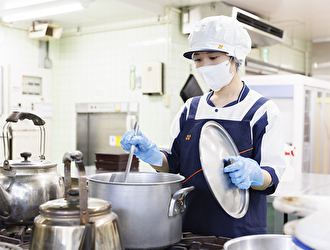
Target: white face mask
[(216, 76)]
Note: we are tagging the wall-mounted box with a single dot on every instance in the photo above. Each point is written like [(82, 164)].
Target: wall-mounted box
[(152, 78), (45, 32)]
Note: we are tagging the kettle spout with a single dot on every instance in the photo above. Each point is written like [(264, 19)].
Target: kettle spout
[(6, 201)]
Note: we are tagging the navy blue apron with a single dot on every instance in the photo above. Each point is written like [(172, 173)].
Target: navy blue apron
[(203, 215)]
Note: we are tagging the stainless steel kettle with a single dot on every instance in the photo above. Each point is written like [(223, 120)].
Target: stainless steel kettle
[(76, 222), (26, 184)]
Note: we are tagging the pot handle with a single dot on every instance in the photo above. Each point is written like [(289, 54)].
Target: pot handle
[(178, 202), (15, 117)]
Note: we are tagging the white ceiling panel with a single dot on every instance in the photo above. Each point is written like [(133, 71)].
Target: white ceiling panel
[(302, 19)]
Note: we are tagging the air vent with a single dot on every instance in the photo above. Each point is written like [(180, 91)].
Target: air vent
[(45, 32), (260, 25), (262, 32)]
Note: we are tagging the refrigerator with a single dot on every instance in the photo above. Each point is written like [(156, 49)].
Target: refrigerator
[(304, 103)]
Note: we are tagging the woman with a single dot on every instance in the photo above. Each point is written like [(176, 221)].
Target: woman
[(219, 47)]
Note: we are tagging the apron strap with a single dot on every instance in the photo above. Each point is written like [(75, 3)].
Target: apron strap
[(193, 107), (254, 108)]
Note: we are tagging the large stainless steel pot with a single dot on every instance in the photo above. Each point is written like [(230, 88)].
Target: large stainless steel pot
[(260, 242), (26, 184), (149, 206), (76, 222)]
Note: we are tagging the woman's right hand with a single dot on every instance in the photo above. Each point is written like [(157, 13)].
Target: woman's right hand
[(145, 149)]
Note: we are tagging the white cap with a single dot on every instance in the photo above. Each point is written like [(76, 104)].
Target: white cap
[(220, 33)]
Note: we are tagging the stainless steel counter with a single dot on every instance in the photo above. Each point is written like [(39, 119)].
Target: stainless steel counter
[(305, 183)]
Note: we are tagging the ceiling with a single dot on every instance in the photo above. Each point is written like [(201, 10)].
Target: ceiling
[(302, 19)]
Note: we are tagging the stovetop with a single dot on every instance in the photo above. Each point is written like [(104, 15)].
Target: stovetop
[(16, 235), (190, 241), (21, 235)]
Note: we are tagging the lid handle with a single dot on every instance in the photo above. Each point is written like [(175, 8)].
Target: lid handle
[(26, 155)]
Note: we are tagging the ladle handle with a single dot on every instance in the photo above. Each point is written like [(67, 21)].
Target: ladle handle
[(131, 153)]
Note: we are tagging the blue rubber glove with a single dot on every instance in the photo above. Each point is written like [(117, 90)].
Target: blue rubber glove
[(244, 172), (145, 149)]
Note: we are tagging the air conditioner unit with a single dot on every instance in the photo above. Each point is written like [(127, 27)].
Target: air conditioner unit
[(262, 32), (45, 32)]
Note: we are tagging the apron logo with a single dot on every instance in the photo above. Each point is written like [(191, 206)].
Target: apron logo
[(188, 137)]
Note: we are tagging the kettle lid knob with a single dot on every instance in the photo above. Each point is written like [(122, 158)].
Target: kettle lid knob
[(73, 192), (26, 155), (73, 198)]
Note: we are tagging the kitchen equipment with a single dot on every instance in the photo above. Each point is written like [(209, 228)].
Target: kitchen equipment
[(77, 222), (189, 241), (101, 125), (149, 206), (115, 160), (7, 246), (301, 205), (260, 242), (26, 184), (131, 153), (215, 144), (190, 89), (312, 231)]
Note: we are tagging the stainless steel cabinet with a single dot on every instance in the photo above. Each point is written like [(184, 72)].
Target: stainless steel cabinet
[(100, 127)]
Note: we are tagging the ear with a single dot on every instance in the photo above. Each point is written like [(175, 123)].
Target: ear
[(233, 65)]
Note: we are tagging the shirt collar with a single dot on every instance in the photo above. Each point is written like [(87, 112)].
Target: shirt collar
[(244, 91)]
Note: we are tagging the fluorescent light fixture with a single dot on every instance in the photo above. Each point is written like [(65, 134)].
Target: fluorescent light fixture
[(14, 4), (41, 10)]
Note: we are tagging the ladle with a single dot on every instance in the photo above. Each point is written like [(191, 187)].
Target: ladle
[(131, 153)]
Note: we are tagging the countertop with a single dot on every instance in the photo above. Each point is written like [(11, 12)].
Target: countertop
[(305, 184)]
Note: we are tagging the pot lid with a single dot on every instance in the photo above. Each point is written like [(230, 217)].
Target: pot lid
[(215, 144), (68, 207), (26, 163)]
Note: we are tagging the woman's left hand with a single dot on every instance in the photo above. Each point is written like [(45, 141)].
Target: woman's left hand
[(244, 172)]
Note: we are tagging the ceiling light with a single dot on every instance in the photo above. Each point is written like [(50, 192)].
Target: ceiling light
[(13, 4), (45, 9)]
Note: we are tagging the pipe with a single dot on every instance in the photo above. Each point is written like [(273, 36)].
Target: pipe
[(159, 22), (78, 32)]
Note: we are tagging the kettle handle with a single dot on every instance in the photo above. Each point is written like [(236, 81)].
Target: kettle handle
[(77, 156), (15, 117), (67, 173)]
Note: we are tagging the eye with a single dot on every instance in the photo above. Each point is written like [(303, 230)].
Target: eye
[(213, 57), (197, 60)]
